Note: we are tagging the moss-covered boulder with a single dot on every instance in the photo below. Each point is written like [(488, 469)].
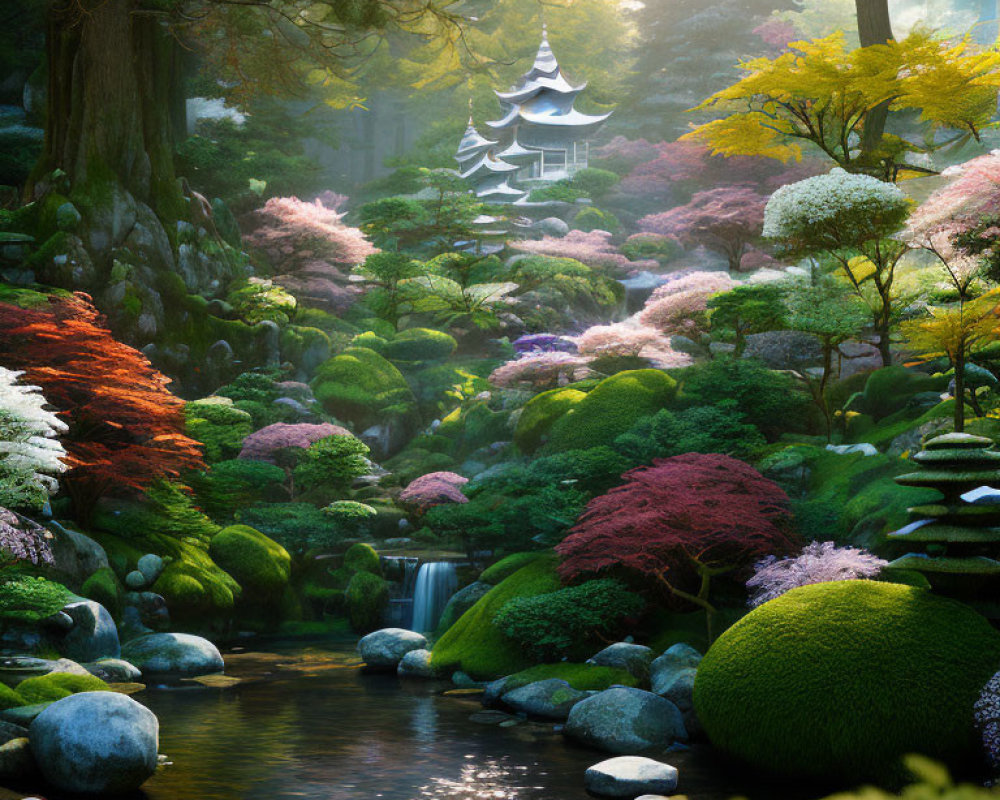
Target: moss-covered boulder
[(260, 565), (839, 680), (103, 587), (539, 414), (611, 409), (57, 685), (364, 388), (362, 557), (366, 598), (474, 644), (219, 425), (420, 344)]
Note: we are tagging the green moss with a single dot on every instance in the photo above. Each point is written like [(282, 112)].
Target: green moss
[(886, 669), (103, 587), (367, 597), (371, 341), (506, 567), (420, 344), (9, 698), (539, 414), (362, 557), (888, 389), (57, 685), (611, 409), (361, 386), (260, 565), (474, 644), (219, 425), (29, 599), (584, 677)]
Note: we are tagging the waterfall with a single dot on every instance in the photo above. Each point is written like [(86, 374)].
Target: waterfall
[(436, 583)]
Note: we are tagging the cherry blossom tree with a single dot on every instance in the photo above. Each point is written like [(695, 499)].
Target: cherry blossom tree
[(264, 444), (681, 306), (593, 248), (434, 489), (540, 370)]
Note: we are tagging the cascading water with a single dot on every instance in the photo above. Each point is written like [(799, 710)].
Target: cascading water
[(436, 583)]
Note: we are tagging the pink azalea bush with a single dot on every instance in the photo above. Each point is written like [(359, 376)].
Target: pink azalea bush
[(627, 338), (540, 370), (311, 248), (818, 562), (434, 489), (261, 445), (681, 306), (593, 248)]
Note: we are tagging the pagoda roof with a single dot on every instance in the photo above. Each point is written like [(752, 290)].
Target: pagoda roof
[(501, 190), (515, 150), (489, 164), (529, 88), (551, 117), (472, 142)]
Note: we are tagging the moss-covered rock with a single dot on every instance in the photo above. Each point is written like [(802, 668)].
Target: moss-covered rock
[(219, 425), (540, 413), (887, 390), (9, 698), (474, 644), (103, 587), (260, 565), (57, 685), (580, 676), (362, 557), (507, 566), (366, 598), (611, 408), (420, 344), (842, 679), (362, 387)]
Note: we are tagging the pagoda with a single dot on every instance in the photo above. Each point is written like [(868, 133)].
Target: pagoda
[(540, 137)]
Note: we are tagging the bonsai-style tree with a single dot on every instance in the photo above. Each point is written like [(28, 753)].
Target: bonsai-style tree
[(678, 524), (853, 219), (126, 430), (754, 308), (725, 219), (385, 272)]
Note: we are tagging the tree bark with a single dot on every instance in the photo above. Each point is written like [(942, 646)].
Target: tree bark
[(960, 388), (874, 27)]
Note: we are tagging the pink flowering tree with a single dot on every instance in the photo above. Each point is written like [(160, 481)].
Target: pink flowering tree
[(725, 219), (433, 489), (593, 248), (681, 306), (265, 444), (622, 339), (818, 562), (540, 370), (311, 249)]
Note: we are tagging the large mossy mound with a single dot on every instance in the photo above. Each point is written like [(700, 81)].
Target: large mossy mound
[(839, 680), (474, 644), (362, 387), (611, 409), (56, 686), (260, 565), (540, 413)]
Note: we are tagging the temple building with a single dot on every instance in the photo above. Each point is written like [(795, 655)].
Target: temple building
[(539, 138)]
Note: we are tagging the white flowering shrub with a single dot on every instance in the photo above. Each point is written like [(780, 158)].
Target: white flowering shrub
[(832, 211), (987, 713), (31, 455)]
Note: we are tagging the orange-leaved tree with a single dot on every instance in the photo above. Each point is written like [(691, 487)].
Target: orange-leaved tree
[(126, 430)]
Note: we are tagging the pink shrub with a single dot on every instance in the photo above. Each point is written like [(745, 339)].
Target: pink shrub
[(681, 306), (628, 338), (434, 489), (261, 445), (540, 370), (593, 248), (24, 540)]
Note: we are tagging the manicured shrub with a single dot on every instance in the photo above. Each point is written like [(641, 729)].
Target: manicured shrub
[(56, 686), (353, 519), (539, 414), (295, 526), (433, 489), (362, 557), (888, 389), (27, 599), (420, 344), (218, 425), (367, 597), (611, 408), (266, 444), (844, 678), (332, 464), (260, 565), (569, 622), (474, 644), (362, 387), (593, 219)]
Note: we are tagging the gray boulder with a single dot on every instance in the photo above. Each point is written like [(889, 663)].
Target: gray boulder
[(10, 731), (385, 648), (76, 556), (864, 448), (628, 776), (173, 655), (633, 658), (96, 743), (93, 634), (460, 602), (114, 670), (14, 669), (675, 660), (494, 690), (679, 690), (551, 226), (416, 664), (549, 699), (136, 580), (623, 720)]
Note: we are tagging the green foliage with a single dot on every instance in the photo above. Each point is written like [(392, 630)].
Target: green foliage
[(611, 408), (261, 566), (218, 425), (768, 400), (888, 390), (753, 308), (540, 413), (56, 686), (362, 557), (569, 622), (593, 219), (331, 464), (167, 510), (260, 300), (561, 192), (371, 341), (595, 182), (642, 246), (701, 429), (9, 698), (353, 519), (915, 663), (29, 599), (420, 344), (361, 386), (507, 566), (103, 587), (367, 597), (298, 527), (583, 677), (237, 483), (474, 644)]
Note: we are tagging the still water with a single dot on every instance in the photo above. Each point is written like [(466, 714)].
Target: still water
[(308, 724)]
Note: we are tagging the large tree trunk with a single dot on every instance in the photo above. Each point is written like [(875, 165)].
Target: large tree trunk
[(874, 27)]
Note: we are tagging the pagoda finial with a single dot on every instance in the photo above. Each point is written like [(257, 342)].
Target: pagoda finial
[(470, 111)]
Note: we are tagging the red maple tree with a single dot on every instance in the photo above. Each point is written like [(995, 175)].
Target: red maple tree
[(680, 522), (125, 427)]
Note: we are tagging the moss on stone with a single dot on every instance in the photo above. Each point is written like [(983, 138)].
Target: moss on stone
[(507, 566), (56, 686), (362, 387), (420, 344), (540, 413), (10, 698), (362, 557), (366, 597), (260, 565), (103, 587)]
